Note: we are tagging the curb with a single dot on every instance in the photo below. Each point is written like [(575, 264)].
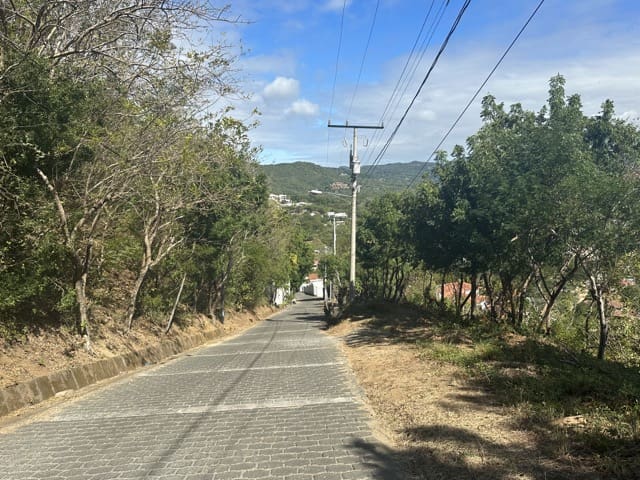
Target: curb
[(41, 388)]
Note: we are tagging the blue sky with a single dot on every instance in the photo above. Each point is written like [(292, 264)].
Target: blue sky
[(289, 65)]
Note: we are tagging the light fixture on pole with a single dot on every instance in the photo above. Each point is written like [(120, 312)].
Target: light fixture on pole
[(354, 164), (334, 216)]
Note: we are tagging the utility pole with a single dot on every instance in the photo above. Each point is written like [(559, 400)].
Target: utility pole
[(334, 235), (334, 216), (354, 164)]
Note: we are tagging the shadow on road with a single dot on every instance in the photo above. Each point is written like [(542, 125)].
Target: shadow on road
[(382, 462), (307, 310), (168, 452)]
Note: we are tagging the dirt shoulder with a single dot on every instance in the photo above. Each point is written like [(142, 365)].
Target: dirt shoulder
[(443, 425), (47, 351)]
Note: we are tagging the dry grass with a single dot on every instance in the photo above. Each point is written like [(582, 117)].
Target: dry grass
[(462, 404), (48, 350)]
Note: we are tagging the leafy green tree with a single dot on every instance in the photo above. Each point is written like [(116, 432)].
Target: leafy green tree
[(385, 254), (535, 199), (82, 85)]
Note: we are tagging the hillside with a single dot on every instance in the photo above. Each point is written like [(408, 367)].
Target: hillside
[(298, 178)]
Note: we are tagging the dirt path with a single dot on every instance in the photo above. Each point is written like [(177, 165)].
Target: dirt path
[(444, 427)]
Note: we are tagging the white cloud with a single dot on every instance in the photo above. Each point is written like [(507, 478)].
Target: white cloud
[(426, 114), (304, 108), (284, 62), (598, 60), (282, 88), (336, 4)]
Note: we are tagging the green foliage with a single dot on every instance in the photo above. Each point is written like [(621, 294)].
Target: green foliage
[(535, 199), (298, 178), (385, 251), (113, 186), (544, 383)]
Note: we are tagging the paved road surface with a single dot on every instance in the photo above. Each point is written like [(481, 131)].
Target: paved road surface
[(276, 402)]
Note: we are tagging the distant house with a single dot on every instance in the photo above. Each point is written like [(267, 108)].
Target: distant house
[(313, 286), (452, 291), (281, 199), (628, 282), (315, 192), (340, 186)]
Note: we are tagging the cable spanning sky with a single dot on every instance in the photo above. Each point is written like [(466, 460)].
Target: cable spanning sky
[(290, 72)]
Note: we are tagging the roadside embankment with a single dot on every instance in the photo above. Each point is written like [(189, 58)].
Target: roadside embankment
[(31, 389)]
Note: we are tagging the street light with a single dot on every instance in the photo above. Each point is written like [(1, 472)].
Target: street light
[(335, 215)]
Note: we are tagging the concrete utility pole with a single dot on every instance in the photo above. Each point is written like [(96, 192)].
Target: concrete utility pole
[(334, 216), (354, 164)]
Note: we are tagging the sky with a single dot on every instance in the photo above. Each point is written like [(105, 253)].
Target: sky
[(305, 62)]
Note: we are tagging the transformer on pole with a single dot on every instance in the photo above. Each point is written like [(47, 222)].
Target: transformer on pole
[(354, 165)]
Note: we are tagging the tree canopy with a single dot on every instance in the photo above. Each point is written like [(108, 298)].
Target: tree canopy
[(535, 203), (120, 173)]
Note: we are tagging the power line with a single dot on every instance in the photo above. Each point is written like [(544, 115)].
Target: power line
[(364, 56), (402, 79), (405, 77), (464, 110), (426, 42), (335, 75), (454, 26)]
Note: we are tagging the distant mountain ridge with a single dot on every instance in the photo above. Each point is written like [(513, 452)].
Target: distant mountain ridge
[(298, 178)]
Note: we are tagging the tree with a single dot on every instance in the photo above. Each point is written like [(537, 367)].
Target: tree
[(607, 194), (80, 79), (385, 253)]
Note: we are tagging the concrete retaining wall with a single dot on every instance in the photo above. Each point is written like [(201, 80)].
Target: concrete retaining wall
[(39, 389)]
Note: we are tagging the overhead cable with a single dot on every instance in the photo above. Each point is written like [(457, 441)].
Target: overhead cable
[(422, 84), (464, 110), (406, 78), (364, 56), (335, 75)]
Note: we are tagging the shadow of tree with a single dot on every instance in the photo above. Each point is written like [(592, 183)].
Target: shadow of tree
[(542, 383), (382, 462), (480, 458), (407, 326), (490, 460)]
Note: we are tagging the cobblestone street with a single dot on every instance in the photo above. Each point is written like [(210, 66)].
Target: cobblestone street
[(276, 402)]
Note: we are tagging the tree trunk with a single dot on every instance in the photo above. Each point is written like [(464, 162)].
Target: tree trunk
[(546, 313), (222, 300), (598, 295), (175, 305), (400, 283), (522, 296), (458, 296), (223, 284), (212, 295), (444, 276), (80, 285), (426, 291), (604, 328), (474, 288), (135, 292), (508, 297), (553, 293), (83, 307), (586, 326), (489, 289)]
